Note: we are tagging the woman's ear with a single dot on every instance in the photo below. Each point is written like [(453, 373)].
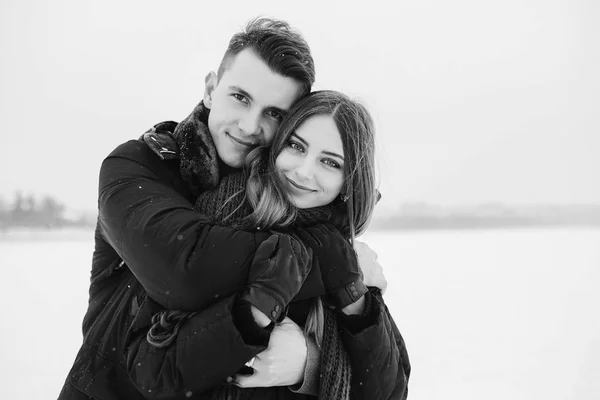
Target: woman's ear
[(210, 84)]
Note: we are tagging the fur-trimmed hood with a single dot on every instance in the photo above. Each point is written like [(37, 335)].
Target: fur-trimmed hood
[(193, 146)]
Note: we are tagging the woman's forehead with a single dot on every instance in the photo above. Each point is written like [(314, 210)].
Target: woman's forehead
[(321, 133)]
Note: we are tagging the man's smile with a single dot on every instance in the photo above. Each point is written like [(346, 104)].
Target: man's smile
[(240, 141)]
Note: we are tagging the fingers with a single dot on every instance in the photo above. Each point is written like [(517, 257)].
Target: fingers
[(329, 232), (298, 249), (364, 249), (384, 289), (308, 238), (302, 255), (330, 228), (307, 260), (258, 378), (287, 320), (251, 376), (267, 248), (247, 381), (383, 283)]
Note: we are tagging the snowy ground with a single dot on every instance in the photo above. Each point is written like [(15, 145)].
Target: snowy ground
[(486, 314)]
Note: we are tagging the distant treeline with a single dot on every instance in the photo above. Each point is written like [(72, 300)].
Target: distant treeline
[(28, 211), (418, 216), (41, 212)]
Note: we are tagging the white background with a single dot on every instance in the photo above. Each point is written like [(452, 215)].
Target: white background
[(474, 101)]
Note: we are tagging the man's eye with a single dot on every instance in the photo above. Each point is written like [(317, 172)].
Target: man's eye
[(240, 98), (275, 115)]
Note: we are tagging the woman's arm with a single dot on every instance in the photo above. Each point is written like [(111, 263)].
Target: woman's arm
[(377, 353), (378, 356)]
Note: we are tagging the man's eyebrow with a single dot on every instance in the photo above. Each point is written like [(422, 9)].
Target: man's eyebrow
[(281, 111), (240, 91), (249, 97)]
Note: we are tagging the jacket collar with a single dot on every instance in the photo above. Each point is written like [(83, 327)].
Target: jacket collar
[(189, 141)]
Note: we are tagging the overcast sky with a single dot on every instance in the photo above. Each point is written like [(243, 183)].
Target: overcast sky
[(474, 101)]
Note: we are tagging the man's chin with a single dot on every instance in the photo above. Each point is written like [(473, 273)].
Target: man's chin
[(233, 162)]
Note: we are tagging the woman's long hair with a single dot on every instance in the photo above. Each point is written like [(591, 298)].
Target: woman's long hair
[(264, 190), (265, 193)]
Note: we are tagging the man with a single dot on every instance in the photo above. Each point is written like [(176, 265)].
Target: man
[(148, 238)]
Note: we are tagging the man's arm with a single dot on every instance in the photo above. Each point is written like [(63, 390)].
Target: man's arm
[(195, 351), (189, 365), (181, 260)]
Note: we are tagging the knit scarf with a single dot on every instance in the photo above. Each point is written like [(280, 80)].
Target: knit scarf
[(223, 203)]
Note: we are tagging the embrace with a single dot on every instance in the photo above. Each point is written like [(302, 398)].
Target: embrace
[(225, 262)]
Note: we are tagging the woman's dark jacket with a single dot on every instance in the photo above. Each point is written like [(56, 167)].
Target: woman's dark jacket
[(151, 246)]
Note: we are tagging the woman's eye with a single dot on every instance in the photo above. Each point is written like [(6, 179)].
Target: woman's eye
[(275, 115), (295, 146), (331, 163)]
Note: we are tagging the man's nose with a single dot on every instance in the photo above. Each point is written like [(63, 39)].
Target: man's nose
[(249, 123)]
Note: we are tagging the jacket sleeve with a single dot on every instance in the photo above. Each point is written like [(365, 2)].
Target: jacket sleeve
[(182, 261), (195, 351), (380, 365), (312, 370), (196, 361)]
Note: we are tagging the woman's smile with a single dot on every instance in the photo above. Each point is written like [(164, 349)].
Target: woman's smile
[(300, 187)]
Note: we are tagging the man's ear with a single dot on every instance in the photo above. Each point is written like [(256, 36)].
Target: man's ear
[(210, 83)]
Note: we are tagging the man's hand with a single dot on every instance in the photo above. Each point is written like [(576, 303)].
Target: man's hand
[(338, 262), (372, 271), (282, 363), (279, 268)]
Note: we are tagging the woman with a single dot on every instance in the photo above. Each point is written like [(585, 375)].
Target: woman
[(321, 171)]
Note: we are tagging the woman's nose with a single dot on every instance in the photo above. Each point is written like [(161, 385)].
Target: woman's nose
[(305, 171)]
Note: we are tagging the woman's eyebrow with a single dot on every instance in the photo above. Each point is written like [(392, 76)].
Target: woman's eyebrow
[(304, 142), (330, 153), (326, 152)]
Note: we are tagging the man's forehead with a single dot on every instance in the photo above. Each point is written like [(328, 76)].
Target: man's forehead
[(247, 72)]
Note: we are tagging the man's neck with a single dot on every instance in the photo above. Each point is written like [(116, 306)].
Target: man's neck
[(225, 169)]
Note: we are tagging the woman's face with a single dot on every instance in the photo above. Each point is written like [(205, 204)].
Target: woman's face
[(311, 165)]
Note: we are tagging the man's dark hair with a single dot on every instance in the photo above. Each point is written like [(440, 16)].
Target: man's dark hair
[(284, 50)]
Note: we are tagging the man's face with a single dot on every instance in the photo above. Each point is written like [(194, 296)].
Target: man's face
[(247, 106)]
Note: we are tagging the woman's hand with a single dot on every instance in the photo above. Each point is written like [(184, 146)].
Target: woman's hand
[(282, 363), (260, 317), (372, 271), (355, 308)]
